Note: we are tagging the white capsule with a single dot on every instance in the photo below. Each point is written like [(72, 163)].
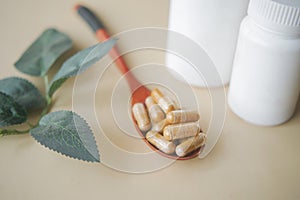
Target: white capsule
[(190, 145), (177, 131), (163, 101), (160, 142), (166, 104), (159, 126), (141, 116), (181, 116), (155, 112)]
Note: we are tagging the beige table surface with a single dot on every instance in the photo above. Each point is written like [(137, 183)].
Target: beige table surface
[(248, 162)]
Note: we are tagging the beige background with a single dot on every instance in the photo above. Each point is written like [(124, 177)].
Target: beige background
[(249, 162)]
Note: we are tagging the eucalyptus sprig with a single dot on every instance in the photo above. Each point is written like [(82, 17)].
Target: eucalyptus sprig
[(62, 131)]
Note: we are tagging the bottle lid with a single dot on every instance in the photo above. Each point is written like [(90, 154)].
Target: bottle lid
[(278, 15)]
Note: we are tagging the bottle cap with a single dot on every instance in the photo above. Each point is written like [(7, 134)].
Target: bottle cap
[(278, 15)]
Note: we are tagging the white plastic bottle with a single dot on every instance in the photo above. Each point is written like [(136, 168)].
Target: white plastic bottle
[(265, 82), (214, 26)]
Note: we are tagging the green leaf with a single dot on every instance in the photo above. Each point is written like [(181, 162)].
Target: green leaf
[(80, 62), (43, 52), (67, 133), (11, 112), (23, 92)]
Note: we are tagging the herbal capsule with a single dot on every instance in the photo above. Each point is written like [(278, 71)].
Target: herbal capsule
[(164, 102), (160, 142), (156, 94), (159, 127), (154, 110), (141, 116), (177, 131), (181, 140), (190, 145), (180, 116)]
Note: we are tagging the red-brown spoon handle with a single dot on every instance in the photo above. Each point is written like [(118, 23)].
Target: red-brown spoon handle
[(98, 27)]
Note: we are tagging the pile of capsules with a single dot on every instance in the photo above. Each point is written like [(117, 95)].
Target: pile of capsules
[(169, 129)]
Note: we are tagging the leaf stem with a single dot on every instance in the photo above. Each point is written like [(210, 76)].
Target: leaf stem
[(30, 124), (46, 109), (46, 84), (48, 98), (5, 132)]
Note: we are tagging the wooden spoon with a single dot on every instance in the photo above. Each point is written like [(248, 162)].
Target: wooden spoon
[(138, 91)]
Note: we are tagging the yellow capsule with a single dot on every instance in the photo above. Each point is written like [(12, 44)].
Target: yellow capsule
[(190, 145), (164, 102), (181, 140), (159, 127), (181, 116), (160, 142), (154, 110), (156, 94), (141, 116), (178, 131)]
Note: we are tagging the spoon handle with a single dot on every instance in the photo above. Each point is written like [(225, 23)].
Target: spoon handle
[(98, 27)]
